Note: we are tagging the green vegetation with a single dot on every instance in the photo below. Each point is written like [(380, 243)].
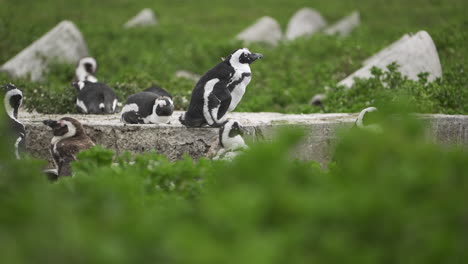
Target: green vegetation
[(388, 197), (193, 35)]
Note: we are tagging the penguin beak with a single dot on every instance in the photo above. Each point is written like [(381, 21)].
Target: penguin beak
[(51, 123), (255, 56)]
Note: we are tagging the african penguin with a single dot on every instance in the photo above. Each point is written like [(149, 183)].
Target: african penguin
[(13, 97), (230, 139), (367, 120), (95, 98), (220, 90), (152, 106), (85, 70), (69, 139)]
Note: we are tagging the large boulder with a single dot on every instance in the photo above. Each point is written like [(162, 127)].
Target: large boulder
[(64, 44), (146, 17), (415, 54), (265, 29), (345, 26), (304, 22)]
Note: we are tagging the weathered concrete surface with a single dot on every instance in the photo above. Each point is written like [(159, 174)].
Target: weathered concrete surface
[(415, 54), (64, 43), (304, 22), (174, 140), (145, 17), (264, 30), (345, 26)]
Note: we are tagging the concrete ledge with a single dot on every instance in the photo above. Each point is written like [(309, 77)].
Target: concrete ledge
[(175, 140)]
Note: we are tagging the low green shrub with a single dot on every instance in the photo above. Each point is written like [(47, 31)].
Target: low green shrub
[(387, 197)]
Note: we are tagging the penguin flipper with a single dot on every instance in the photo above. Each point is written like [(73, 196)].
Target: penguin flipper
[(131, 117)]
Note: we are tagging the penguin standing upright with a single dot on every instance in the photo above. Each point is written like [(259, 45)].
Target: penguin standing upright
[(220, 90), (85, 70), (230, 140), (95, 98), (69, 139), (13, 97), (152, 106)]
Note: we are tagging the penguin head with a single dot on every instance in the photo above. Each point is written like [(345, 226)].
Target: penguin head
[(13, 98), (230, 134), (365, 118), (89, 64), (65, 127), (243, 56), (368, 119), (85, 69), (163, 106)]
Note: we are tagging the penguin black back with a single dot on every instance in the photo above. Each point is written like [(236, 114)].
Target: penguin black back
[(95, 98)]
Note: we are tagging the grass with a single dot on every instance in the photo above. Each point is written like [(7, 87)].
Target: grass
[(193, 35)]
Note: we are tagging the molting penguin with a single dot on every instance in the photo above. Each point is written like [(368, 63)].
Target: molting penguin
[(152, 106), (95, 98), (367, 120), (69, 139), (85, 70), (220, 90), (231, 141), (13, 97)]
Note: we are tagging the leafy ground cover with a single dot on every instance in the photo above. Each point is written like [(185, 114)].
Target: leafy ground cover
[(388, 197), (193, 35)]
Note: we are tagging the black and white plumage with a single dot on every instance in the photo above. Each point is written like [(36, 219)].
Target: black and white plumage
[(85, 70), (95, 98), (152, 106), (69, 139), (13, 98), (367, 120), (230, 140), (220, 90)]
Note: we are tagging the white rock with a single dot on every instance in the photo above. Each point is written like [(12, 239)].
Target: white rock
[(265, 29), (64, 43), (345, 25), (414, 54), (146, 17), (187, 75), (386, 51), (304, 22)]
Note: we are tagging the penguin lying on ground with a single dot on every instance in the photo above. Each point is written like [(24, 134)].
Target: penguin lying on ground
[(152, 106), (220, 90), (69, 139), (231, 141), (95, 98), (85, 70), (367, 120), (12, 100)]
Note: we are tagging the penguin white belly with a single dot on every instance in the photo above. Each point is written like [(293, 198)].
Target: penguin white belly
[(238, 92)]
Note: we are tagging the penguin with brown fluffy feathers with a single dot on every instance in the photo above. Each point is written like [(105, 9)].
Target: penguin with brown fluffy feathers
[(69, 139)]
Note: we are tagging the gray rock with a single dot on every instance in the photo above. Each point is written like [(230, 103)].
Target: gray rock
[(415, 54), (187, 75), (264, 30), (345, 26), (64, 44), (146, 17), (304, 22), (386, 51), (174, 140)]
